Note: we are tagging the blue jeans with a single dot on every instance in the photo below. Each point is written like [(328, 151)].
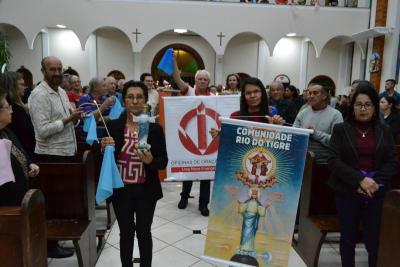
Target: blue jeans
[(352, 209)]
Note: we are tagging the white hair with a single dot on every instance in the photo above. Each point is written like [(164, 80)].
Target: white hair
[(109, 79), (199, 72)]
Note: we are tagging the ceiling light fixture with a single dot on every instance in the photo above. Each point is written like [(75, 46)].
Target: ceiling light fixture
[(292, 34), (61, 26), (180, 30)]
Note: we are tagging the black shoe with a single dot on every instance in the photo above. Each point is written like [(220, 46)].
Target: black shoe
[(204, 210), (59, 253), (183, 203)]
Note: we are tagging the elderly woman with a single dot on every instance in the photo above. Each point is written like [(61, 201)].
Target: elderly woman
[(21, 124), (11, 193), (135, 203), (363, 161)]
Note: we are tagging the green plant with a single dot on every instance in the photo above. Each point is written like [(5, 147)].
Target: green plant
[(5, 54)]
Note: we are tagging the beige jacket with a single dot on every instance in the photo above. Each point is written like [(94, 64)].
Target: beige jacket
[(47, 109)]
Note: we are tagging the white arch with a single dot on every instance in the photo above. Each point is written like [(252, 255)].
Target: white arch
[(160, 31)]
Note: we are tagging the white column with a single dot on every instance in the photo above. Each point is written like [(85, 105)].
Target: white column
[(45, 43), (344, 73), (219, 62), (91, 48), (358, 68), (137, 65), (391, 42), (303, 64), (370, 41), (261, 61)]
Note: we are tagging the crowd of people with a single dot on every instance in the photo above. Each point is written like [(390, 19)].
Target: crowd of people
[(354, 135)]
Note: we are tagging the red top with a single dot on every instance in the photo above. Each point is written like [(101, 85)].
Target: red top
[(365, 145), (130, 166), (73, 97), (190, 91), (257, 116)]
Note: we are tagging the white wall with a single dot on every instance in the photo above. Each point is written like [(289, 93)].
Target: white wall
[(65, 45), (327, 64), (21, 55), (114, 52), (196, 42), (241, 55), (285, 60), (358, 70)]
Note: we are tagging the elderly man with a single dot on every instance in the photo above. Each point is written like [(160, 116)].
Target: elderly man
[(285, 109), (148, 80), (120, 85), (111, 88), (52, 118), (320, 117), (97, 93), (202, 80)]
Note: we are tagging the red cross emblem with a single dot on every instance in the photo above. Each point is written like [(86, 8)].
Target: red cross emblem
[(200, 114)]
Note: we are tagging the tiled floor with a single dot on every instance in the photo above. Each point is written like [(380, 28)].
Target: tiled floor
[(175, 245)]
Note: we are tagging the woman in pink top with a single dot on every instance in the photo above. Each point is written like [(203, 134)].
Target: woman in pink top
[(134, 204)]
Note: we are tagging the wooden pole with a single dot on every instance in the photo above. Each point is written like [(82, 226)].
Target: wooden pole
[(379, 42)]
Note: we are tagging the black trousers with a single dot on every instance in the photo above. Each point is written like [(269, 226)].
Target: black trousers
[(352, 209), (53, 158), (134, 213), (204, 191)]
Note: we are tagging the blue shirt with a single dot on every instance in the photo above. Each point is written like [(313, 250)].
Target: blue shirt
[(395, 96), (88, 98)]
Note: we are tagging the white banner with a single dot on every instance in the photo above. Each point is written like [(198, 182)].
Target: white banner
[(192, 152)]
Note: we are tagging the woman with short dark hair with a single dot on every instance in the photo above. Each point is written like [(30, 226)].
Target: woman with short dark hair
[(135, 203)]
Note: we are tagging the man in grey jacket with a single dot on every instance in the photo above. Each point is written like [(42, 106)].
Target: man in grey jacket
[(321, 118)]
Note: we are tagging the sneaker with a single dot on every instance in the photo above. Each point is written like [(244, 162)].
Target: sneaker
[(204, 210), (183, 203)]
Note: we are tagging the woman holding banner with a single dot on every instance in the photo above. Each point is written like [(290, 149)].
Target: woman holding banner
[(363, 161), (135, 203), (253, 105)]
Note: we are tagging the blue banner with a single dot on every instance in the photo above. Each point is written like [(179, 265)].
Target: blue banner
[(256, 192)]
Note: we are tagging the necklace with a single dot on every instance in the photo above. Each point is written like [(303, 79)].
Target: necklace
[(363, 134)]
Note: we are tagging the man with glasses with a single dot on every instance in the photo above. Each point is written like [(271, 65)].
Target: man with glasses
[(320, 117), (148, 80), (285, 109)]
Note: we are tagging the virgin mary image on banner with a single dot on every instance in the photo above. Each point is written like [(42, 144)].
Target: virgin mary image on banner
[(251, 210), (255, 195)]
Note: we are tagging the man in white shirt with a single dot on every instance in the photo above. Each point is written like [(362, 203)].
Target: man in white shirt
[(202, 80), (52, 118), (148, 80), (52, 115)]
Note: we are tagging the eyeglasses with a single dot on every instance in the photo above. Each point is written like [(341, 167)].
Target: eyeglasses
[(9, 108), (366, 106), (255, 93), (132, 98)]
